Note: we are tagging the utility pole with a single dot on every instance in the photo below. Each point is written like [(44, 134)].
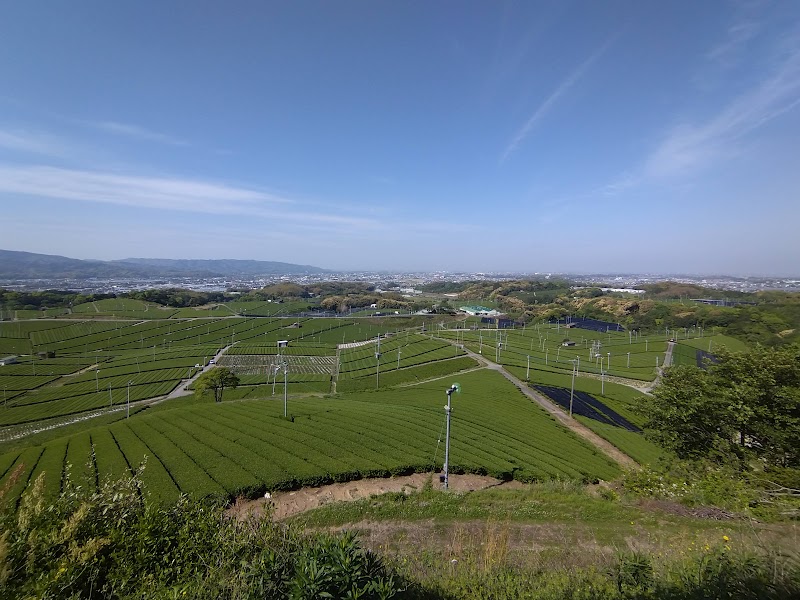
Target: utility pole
[(572, 389), (285, 385), (275, 377), (447, 410), (377, 370), (528, 371)]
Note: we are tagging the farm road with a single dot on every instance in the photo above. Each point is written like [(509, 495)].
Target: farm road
[(667, 363), (181, 389), (562, 417), (54, 424)]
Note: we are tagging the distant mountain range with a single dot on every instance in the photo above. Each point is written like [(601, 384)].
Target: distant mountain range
[(27, 265)]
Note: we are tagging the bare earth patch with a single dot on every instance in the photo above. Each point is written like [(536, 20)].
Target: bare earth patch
[(291, 503)]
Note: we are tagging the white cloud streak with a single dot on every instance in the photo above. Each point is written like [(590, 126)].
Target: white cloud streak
[(160, 193), (23, 141), (546, 106), (138, 133), (689, 146), (729, 50)]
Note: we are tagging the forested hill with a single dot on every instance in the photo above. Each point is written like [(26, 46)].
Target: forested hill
[(28, 265)]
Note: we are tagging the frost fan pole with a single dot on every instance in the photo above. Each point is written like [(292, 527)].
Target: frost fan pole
[(453, 388)]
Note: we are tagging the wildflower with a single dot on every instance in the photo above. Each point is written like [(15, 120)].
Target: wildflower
[(726, 538)]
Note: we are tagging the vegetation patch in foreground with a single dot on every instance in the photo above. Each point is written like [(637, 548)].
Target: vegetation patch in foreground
[(111, 543)]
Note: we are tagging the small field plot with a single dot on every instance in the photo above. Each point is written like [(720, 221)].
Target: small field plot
[(586, 405), (715, 342), (698, 352), (304, 374), (398, 358), (104, 385), (15, 337), (201, 312), (125, 308), (50, 402), (11, 346), (600, 416), (406, 376), (631, 443), (545, 347), (268, 309), (22, 329), (624, 399), (247, 447)]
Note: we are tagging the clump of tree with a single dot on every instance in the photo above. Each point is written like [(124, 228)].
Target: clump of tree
[(445, 287), (345, 303), (21, 300), (277, 291), (178, 298), (745, 409), (215, 380), (340, 288)]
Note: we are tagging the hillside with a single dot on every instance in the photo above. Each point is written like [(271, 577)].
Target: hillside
[(28, 265)]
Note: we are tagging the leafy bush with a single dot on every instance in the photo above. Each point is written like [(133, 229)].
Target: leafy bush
[(113, 543)]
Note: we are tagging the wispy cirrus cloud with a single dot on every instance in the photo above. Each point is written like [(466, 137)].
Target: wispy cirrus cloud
[(163, 193), (692, 145), (31, 143), (138, 133), (729, 49), (545, 107)]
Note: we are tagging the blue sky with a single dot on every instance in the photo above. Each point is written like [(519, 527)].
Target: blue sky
[(657, 137)]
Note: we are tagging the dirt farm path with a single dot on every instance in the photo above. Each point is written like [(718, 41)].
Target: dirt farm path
[(287, 504), (182, 389), (560, 415)]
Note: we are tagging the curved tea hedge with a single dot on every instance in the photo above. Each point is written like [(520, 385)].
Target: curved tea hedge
[(247, 447)]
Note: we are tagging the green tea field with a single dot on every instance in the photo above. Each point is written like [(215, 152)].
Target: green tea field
[(247, 447)]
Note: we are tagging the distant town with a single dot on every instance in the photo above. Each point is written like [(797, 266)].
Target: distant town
[(613, 282)]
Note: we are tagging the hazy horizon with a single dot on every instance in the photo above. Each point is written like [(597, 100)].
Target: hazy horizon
[(611, 273), (355, 136)]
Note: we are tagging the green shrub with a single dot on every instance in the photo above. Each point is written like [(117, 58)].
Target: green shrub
[(112, 543)]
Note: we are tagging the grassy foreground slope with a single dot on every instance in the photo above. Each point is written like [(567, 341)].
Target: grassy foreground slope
[(248, 447), (559, 540)]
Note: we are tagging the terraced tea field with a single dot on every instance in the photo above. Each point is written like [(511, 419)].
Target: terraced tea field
[(142, 359), (617, 353), (247, 447)]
